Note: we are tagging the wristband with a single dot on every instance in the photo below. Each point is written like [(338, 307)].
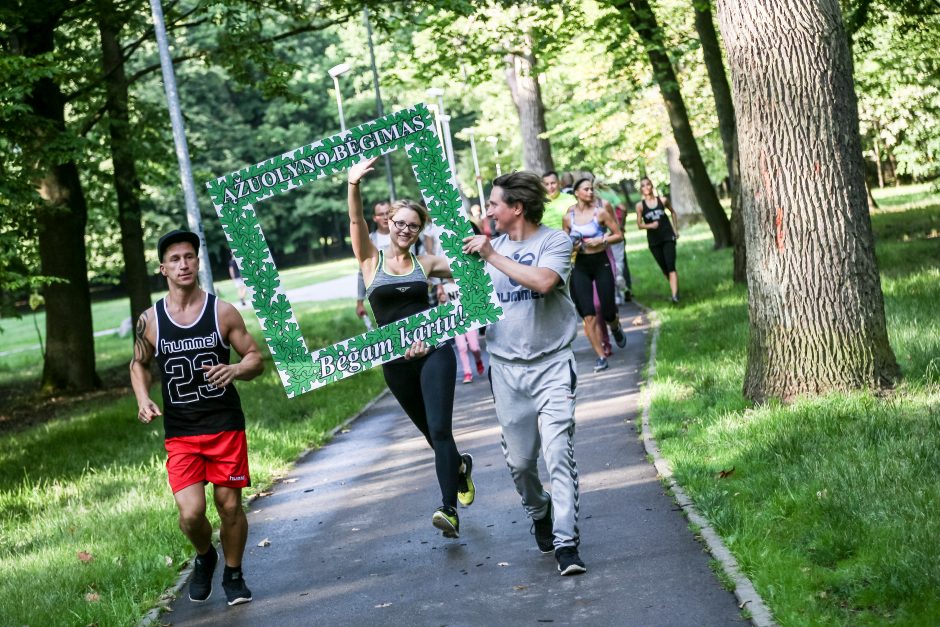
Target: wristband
[(356, 184)]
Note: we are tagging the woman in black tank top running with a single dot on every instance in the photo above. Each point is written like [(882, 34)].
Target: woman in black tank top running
[(423, 381), (661, 234)]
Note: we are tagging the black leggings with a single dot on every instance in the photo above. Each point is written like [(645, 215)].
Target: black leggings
[(665, 255), (590, 269), (425, 390)]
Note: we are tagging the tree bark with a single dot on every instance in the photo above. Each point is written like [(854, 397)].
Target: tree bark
[(126, 181), (520, 72), (69, 360), (641, 18), (724, 107), (817, 321), (681, 192)]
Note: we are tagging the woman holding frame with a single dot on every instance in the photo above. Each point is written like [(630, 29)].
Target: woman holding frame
[(423, 381)]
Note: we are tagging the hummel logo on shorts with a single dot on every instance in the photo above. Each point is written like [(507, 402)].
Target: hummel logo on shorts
[(403, 289), (238, 478)]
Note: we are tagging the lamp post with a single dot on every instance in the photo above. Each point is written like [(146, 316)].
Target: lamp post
[(182, 150), (476, 170), (445, 122), (380, 110), (335, 72), (494, 140)]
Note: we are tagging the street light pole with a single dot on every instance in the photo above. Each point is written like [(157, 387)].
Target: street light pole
[(445, 123), (476, 170), (380, 110), (182, 150), (494, 140), (448, 143), (335, 72)]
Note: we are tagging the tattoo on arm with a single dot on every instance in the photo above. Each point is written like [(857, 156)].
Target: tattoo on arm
[(143, 351)]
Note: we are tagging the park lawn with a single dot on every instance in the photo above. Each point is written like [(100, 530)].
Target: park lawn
[(93, 481), (833, 505), (20, 333)]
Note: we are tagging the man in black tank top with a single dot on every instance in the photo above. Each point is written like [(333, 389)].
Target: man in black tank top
[(189, 334)]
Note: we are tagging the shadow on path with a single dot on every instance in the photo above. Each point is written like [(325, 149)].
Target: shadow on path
[(351, 541)]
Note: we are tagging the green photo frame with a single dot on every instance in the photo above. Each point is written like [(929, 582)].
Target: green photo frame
[(235, 196)]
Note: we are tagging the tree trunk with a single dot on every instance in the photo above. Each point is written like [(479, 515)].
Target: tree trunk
[(527, 95), (69, 360), (126, 181), (817, 320), (681, 193), (724, 107), (641, 18), (878, 160)]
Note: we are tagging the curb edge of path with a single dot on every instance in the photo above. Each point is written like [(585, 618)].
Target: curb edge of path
[(747, 596), (170, 594)]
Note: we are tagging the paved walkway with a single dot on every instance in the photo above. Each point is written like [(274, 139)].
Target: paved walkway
[(351, 541)]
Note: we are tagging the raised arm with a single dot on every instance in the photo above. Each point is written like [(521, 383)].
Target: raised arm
[(144, 338), (363, 248)]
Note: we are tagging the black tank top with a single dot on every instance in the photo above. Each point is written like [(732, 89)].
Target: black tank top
[(397, 296), (658, 213), (191, 406)]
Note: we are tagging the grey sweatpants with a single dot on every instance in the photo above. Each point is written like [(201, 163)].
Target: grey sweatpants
[(535, 409)]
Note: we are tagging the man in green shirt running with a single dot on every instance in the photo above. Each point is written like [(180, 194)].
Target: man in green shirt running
[(558, 201)]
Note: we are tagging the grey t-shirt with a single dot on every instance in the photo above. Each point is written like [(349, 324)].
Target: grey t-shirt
[(535, 325)]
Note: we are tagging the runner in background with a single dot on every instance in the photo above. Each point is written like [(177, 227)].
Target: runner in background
[(468, 342), (380, 238), (660, 234), (587, 224), (624, 291), (236, 277), (558, 201)]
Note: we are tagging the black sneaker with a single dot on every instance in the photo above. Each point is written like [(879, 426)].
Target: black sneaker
[(200, 586), (466, 491), (542, 530), (569, 562), (235, 589), (619, 337), (445, 518)]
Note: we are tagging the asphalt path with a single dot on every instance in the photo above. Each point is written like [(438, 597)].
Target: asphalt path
[(347, 537)]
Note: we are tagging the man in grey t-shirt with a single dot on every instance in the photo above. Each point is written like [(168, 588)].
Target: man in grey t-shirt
[(532, 367)]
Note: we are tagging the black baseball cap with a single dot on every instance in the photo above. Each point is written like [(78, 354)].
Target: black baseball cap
[(176, 236)]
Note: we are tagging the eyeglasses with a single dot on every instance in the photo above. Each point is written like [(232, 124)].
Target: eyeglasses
[(401, 225)]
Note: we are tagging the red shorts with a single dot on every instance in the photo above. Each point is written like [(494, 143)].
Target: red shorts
[(218, 458)]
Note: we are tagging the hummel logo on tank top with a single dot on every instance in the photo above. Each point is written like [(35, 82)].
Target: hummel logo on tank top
[(189, 344), (403, 289), (191, 404)]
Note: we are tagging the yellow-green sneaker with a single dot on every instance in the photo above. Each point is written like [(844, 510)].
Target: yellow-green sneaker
[(445, 519), (466, 491)]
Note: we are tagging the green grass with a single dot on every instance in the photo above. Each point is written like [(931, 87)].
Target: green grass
[(20, 333), (94, 481), (833, 508), (905, 197)]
